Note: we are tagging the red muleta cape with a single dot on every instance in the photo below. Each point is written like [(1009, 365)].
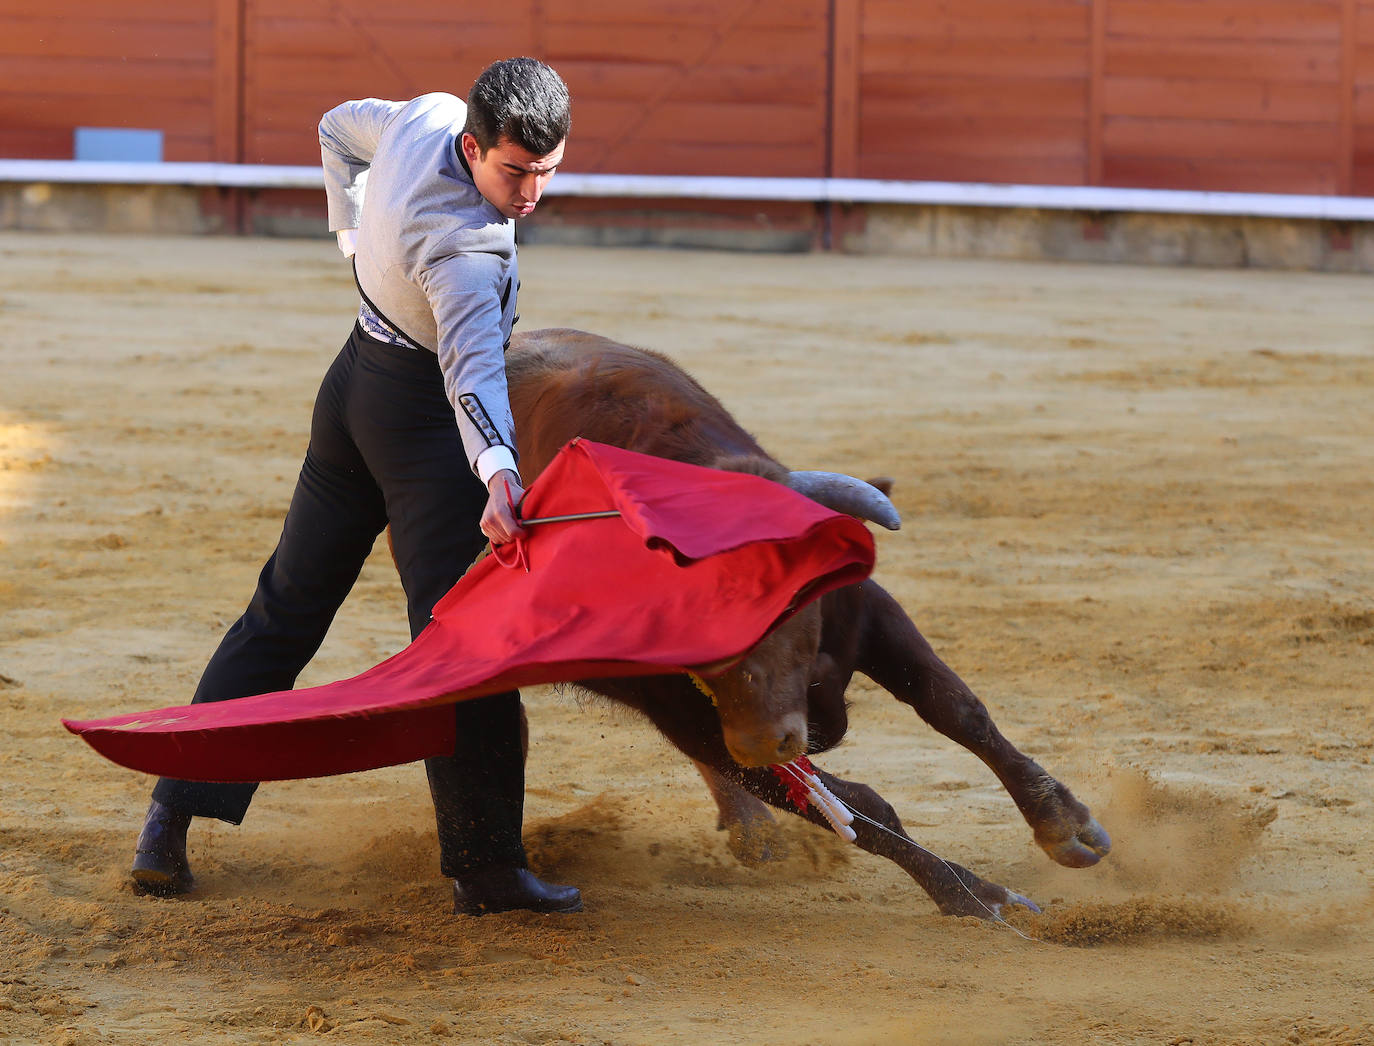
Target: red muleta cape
[(697, 567)]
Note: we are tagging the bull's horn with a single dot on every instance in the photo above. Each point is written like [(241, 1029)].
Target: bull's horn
[(846, 494)]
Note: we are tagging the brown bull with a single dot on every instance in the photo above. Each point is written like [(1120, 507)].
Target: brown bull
[(786, 697)]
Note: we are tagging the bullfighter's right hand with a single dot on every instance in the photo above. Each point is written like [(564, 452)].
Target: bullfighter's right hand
[(499, 523)]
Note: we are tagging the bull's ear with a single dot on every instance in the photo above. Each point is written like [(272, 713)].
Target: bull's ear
[(883, 483)]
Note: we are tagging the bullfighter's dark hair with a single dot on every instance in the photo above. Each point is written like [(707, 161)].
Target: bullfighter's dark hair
[(521, 100)]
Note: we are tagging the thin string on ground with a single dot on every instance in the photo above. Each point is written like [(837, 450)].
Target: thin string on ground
[(884, 828)]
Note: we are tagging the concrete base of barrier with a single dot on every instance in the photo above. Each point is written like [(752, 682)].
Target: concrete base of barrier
[(167, 209), (1221, 241), (896, 229)]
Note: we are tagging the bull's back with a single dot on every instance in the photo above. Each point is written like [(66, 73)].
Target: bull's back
[(565, 383)]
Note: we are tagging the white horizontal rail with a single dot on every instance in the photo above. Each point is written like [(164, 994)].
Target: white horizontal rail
[(834, 190), (114, 172)]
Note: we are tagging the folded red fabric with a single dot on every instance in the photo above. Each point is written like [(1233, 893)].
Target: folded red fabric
[(697, 567)]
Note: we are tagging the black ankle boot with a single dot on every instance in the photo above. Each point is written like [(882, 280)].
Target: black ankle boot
[(160, 865), (506, 889)]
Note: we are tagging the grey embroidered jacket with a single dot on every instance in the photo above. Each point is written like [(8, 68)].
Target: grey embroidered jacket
[(433, 256)]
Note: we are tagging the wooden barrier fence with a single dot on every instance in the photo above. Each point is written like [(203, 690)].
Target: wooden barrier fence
[(1238, 95)]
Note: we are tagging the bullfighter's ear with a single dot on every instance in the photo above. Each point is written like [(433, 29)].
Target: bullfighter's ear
[(883, 483)]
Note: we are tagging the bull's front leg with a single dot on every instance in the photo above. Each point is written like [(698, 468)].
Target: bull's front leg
[(754, 838), (878, 830), (894, 654)]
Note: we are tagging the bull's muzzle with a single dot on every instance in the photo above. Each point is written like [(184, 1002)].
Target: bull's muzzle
[(766, 743)]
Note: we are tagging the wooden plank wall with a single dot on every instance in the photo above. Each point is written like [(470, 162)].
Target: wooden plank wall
[(1226, 94), (75, 63), (731, 87), (1360, 59), (304, 56), (1264, 95), (695, 86), (974, 90)]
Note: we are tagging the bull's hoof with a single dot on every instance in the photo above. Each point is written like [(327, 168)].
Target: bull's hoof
[(756, 841), (1064, 828), (1087, 844), (967, 894)]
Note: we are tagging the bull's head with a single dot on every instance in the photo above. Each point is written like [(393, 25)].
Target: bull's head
[(762, 698)]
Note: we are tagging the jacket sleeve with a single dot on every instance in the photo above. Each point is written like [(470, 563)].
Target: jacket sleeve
[(348, 137), (464, 290)]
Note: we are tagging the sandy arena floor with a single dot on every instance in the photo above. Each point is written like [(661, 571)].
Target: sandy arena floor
[(1138, 522)]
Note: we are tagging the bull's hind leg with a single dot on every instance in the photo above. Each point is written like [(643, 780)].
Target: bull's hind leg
[(878, 830), (897, 657)]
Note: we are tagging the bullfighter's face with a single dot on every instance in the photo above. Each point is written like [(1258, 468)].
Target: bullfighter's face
[(509, 177)]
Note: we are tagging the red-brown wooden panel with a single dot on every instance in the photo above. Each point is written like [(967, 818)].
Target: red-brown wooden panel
[(1363, 180), (1364, 105), (702, 125), (282, 144), (889, 62), (976, 90), (308, 38), (331, 79), (1235, 20), (145, 82), (105, 38), (615, 15), (1224, 94), (1222, 60), (661, 81), (978, 19), (80, 64), (188, 148), (705, 124), (1221, 175), (842, 101), (1272, 94), (990, 96), (656, 211), (287, 142), (914, 134), (957, 167), (1364, 62), (1221, 99), (55, 141), (447, 12), (1221, 139), (15, 12), (885, 128), (33, 143), (734, 159), (113, 108), (593, 81), (689, 45)]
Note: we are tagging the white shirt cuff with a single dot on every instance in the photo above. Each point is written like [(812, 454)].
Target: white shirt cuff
[(493, 460), (348, 241)]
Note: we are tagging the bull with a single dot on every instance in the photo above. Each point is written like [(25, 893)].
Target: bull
[(786, 697)]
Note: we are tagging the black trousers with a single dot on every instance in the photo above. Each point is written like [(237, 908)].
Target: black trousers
[(384, 448)]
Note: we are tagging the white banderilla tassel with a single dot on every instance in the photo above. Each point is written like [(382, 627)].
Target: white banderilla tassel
[(827, 803)]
